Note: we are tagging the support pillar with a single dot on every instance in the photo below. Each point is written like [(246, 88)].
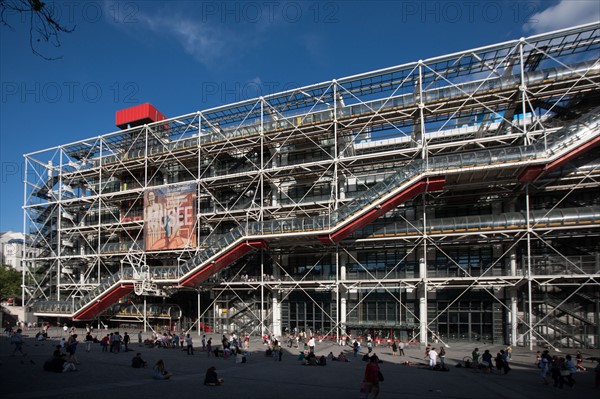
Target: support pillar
[(514, 315), (343, 261), (276, 317), (422, 294), (597, 317), (343, 310), (199, 314)]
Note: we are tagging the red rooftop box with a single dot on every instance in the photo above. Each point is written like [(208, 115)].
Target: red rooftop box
[(138, 115)]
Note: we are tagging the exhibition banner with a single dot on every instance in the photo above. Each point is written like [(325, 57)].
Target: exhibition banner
[(169, 217)]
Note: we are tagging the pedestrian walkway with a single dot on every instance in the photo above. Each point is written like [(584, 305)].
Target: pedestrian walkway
[(110, 375)]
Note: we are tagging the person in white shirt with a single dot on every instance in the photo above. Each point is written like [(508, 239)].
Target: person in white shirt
[(433, 355), (311, 345)]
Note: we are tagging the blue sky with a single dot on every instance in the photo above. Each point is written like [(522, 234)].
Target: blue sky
[(188, 56)]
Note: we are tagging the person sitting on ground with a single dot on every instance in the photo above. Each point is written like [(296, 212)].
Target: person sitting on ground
[(342, 357), (55, 363), (322, 361), (137, 362), (212, 378), (160, 372), (331, 357), (69, 364), (310, 359)]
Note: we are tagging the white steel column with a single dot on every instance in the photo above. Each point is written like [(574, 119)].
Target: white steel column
[(25, 234), (422, 294), (514, 315), (262, 161), (199, 313), (343, 256), (342, 259), (262, 293), (513, 292), (335, 187), (198, 193), (343, 311), (276, 317), (523, 90), (529, 279)]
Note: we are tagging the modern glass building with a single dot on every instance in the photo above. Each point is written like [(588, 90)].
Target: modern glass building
[(453, 198)]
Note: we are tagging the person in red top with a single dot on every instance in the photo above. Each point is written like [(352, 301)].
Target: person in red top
[(372, 376), (104, 343)]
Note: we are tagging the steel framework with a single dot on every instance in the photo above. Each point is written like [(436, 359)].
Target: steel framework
[(449, 198)]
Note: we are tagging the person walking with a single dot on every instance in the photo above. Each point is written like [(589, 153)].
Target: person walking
[(373, 376), (401, 346), (209, 346), (105, 342), (544, 364), (17, 340), (505, 361), (72, 348), (568, 370), (475, 357), (189, 344), (442, 355), (579, 361), (88, 342), (115, 342), (126, 339)]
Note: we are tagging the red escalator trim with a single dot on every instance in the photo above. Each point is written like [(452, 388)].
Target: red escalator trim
[(573, 154), (533, 172), (424, 185), (107, 299), (224, 260)]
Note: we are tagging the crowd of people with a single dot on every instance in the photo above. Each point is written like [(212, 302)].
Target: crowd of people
[(561, 369), (558, 370)]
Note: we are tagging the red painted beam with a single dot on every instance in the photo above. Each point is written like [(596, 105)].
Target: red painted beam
[(533, 172), (573, 154), (425, 185), (108, 298), (223, 261)]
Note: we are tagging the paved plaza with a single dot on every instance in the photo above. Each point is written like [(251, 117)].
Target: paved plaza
[(110, 376)]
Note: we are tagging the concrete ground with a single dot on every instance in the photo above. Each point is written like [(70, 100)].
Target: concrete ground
[(108, 375)]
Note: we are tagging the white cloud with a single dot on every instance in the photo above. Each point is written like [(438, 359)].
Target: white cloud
[(202, 41), (563, 15), (207, 38)]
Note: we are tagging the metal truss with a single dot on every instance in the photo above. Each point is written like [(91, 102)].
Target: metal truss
[(506, 133)]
